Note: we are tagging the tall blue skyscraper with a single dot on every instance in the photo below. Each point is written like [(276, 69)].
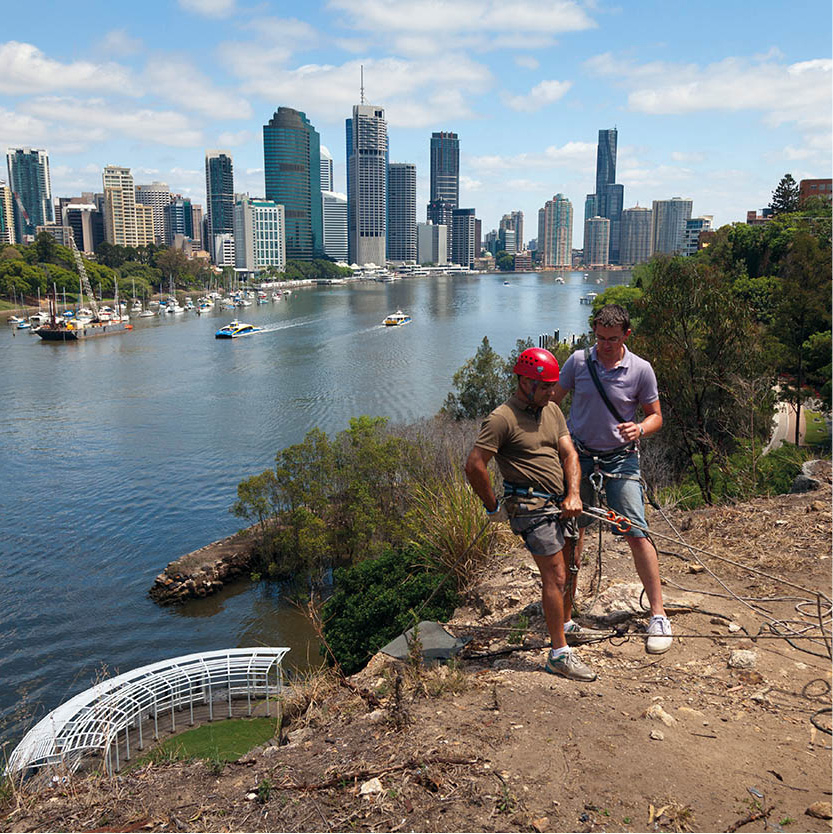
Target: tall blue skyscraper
[(609, 198), (606, 159), (292, 170), (32, 189)]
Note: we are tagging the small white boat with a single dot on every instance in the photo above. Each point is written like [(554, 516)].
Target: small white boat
[(396, 319), (277, 296), (589, 298), (559, 279), (146, 314)]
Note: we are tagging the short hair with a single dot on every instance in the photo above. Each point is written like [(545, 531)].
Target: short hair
[(613, 315)]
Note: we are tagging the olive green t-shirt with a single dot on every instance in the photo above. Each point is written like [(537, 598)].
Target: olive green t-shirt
[(525, 445)]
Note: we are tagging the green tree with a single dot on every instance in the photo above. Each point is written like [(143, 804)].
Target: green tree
[(46, 247), (172, 263), (697, 335), (9, 253), (785, 196), (505, 261), (481, 385), (257, 499), (802, 310)]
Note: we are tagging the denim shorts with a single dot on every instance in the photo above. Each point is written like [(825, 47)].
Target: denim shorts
[(624, 495), (541, 537)]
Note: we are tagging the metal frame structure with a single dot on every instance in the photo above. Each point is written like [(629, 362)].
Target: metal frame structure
[(102, 717)]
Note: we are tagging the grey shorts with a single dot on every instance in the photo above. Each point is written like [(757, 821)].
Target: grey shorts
[(541, 532)]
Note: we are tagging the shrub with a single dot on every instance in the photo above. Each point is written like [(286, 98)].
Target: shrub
[(376, 599)]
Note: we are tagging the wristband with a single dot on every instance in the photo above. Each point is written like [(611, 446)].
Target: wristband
[(641, 430), (492, 512)]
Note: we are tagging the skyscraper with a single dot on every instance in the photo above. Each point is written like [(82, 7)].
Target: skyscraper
[(463, 236), (326, 169), (31, 187), (126, 223), (439, 213), (668, 225), (445, 168), (402, 234), (219, 198), (555, 233), (7, 232), (292, 170), (691, 235), (178, 220), (335, 225), (367, 176), (157, 195), (635, 237), (596, 241), (431, 244), (608, 200), (515, 222)]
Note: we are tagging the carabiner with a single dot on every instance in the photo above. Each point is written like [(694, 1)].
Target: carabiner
[(623, 524)]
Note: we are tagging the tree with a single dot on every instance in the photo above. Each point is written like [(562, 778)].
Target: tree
[(173, 264), (46, 247), (505, 261), (785, 196), (481, 385), (697, 335), (802, 310)]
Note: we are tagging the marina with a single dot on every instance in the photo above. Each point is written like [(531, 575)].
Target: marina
[(128, 452)]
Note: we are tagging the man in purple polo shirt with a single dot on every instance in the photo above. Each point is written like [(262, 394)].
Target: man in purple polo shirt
[(610, 445)]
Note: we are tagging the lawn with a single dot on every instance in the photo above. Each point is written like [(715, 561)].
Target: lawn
[(816, 433), (225, 740)]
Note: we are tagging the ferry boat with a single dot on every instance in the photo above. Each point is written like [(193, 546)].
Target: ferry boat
[(76, 331), (396, 319), (236, 328)]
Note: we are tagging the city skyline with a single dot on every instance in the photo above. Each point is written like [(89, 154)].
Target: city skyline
[(717, 119)]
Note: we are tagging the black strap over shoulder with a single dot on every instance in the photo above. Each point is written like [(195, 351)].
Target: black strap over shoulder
[(598, 383)]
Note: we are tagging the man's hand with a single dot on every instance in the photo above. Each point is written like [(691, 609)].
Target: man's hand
[(499, 513), (571, 506), (629, 431)]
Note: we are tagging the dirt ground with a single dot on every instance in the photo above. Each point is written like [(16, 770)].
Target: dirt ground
[(683, 741)]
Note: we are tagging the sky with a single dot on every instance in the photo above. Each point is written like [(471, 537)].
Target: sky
[(713, 101)]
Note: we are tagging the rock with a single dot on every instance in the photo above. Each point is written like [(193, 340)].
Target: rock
[(817, 507), (805, 482), (734, 628), (695, 713), (657, 713), (820, 810), (761, 697), (621, 601), (370, 787), (743, 659), (251, 797), (541, 824), (656, 735), (693, 567), (377, 716), (299, 735)]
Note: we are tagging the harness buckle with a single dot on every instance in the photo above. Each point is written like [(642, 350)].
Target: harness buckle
[(596, 480)]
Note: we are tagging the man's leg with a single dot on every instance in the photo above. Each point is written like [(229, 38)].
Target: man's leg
[(647, 566), (553, 581)]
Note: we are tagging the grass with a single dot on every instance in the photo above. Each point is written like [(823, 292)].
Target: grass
[(816, 433), (221, 741)]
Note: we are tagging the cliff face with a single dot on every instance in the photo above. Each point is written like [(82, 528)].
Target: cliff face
[(727, 725)]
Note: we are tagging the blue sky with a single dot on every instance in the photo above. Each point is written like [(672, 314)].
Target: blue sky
[(714, 101)]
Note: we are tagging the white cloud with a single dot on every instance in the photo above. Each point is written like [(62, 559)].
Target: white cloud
[(99, 120), (435, 25), (542, 94), (284, 29), (25, 69), (192, 90), (577, 156), (527, 62), (229, 139), (688, 156), (209, 8), (118, 42), (18, 129)]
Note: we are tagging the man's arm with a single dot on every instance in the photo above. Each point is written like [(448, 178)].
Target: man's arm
[(477, 473), (558, 394), (571, 505), (651, 424)]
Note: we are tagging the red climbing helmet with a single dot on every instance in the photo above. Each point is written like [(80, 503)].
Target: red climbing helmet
[(537, 363)]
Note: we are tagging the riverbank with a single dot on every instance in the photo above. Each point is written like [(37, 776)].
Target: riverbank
[(205, 571)]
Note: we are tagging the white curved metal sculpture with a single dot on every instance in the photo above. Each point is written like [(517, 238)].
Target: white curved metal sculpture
[(102, 717)]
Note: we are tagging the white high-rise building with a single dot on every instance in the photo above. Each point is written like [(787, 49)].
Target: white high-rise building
[(326, 169), (555, 233), (334, 208), (432, 243), (668, 225), (7, 232), (367, 177), (635, 236), (597, 241), (157, 195), (223, 252), (259, 235)]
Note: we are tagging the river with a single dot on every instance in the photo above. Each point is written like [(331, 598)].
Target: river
[(121, 454)]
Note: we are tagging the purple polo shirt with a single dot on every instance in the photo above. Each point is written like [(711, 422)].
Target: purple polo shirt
[(631, 383)]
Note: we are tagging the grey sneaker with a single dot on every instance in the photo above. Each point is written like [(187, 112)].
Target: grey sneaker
[(659, 635), (576, 635), (569, 665)]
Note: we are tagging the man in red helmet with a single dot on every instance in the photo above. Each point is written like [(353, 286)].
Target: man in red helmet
[(530, 441)]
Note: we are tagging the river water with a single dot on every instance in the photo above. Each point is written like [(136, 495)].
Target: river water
[(120, 454)]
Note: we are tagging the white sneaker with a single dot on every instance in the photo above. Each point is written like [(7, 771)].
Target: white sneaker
[(659, 635)]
